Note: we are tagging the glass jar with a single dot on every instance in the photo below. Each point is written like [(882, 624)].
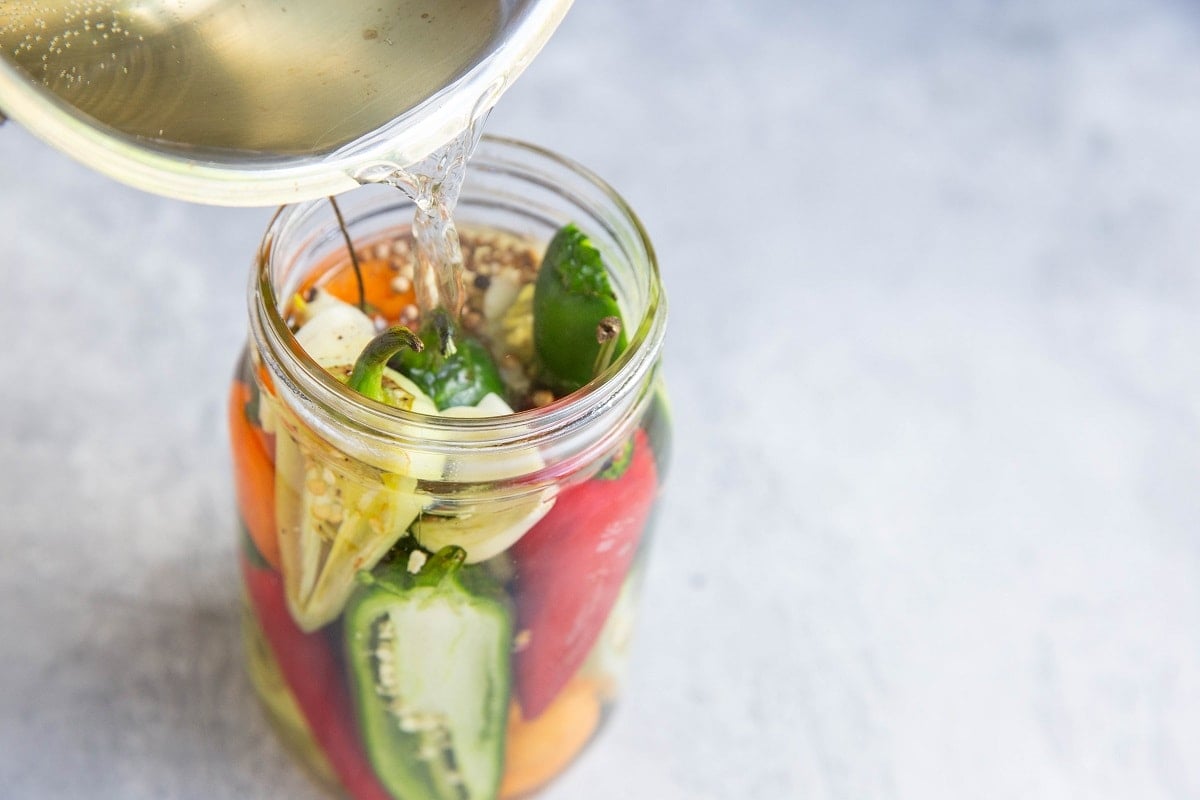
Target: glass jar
[(440, 607)]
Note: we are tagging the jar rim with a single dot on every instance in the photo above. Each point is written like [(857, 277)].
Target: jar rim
[(612, 389)]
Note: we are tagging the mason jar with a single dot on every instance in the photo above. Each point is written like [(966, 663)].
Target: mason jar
[(441, 606)]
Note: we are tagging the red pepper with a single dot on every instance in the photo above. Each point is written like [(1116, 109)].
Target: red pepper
[(570, 568), (310, 668)]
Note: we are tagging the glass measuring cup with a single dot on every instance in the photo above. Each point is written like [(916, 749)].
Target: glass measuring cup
[(233, 103)]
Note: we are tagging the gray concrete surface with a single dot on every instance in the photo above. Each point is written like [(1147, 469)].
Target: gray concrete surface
[(933, 522)]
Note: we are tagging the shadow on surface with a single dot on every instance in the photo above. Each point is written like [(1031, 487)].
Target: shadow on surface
[(147, 700)]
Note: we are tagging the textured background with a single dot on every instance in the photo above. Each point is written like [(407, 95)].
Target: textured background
[(933, 523)]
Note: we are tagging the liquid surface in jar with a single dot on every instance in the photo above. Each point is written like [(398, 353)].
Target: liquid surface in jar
[(290, 77), (494, 267)]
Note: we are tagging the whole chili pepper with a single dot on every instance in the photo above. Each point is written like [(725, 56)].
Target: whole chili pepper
[(452, 370), (310, 667), (572, 300), (570, 568)]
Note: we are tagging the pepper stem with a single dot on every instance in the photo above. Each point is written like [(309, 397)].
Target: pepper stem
[(367, 377), (386, 580), (445, 331), (362, 289), (441, 565), (608, 335)]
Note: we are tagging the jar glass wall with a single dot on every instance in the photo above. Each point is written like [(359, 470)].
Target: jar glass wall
[(440, 606)]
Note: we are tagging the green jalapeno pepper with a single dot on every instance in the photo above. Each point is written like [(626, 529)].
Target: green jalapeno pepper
[(452, 370), (573, 302), (429, 662)]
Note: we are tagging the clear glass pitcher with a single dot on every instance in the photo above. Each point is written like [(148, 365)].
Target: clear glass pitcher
[(276, 101)]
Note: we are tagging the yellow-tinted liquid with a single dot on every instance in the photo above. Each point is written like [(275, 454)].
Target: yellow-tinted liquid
[(288, 77)]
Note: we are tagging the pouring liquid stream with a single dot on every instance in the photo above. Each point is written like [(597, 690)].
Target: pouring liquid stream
[(434, 185)]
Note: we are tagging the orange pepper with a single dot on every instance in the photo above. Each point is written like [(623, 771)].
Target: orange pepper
[(539, 749), (265, 381), (254, 474)]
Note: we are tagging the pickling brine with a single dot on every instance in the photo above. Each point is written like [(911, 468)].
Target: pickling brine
[(445, 514)]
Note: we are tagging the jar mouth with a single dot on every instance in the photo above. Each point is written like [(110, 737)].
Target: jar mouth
[(617, 387)]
